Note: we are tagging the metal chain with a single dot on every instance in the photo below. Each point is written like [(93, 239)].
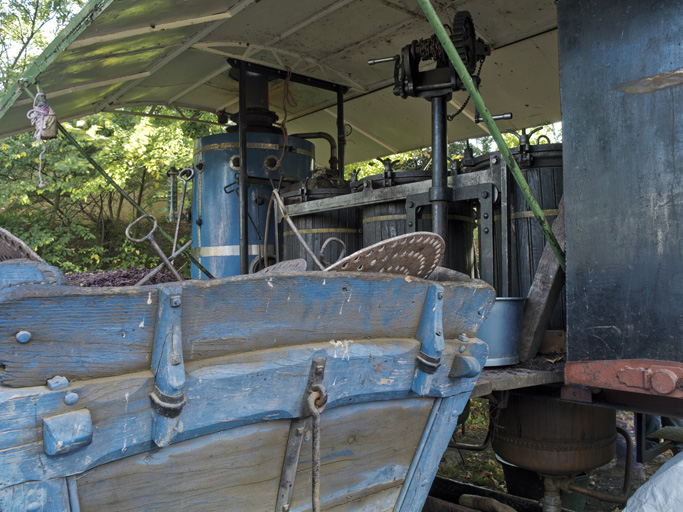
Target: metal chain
[(317, 400), (450, 117)]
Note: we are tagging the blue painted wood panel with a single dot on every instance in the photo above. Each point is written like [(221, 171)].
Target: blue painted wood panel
[(238, 470), (89, 333), (222, 393), (50, 496)]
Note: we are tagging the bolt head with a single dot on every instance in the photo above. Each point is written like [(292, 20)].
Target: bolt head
[(439, 296), (462, 348), (484, 194), (486, 215), (410, 224), (319, 370), (175, 359), (175, 301), (71, 398), (486, 231), (23, 336)]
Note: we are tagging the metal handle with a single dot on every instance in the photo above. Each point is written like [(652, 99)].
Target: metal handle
[(186, 174), (324, 246), (148, 236), (234, 187), (383, 60)]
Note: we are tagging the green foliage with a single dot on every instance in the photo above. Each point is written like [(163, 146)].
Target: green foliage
[(26, 27), (76, 221)]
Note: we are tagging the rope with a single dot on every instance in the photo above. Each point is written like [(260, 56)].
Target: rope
[(38, 115)]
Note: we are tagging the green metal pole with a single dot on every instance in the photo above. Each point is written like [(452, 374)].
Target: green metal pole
[(460, 68)]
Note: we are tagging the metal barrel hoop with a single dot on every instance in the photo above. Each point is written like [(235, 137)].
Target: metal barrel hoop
[(149, 235)]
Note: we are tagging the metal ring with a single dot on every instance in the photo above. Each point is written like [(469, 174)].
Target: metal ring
[(187, 170), (148, 236), (321, 400), (271, 167)]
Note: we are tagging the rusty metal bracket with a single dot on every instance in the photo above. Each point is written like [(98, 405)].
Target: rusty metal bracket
[(296, 436)]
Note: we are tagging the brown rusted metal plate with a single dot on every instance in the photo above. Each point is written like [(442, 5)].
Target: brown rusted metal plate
[(413, 254), (12, 248), (633, 375)]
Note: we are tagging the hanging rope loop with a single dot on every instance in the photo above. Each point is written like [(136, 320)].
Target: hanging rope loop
[(39, 116)]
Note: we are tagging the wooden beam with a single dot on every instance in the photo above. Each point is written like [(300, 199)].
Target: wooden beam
[(543, 294)]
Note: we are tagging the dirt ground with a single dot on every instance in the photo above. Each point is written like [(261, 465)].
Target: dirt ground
[(482, 469)]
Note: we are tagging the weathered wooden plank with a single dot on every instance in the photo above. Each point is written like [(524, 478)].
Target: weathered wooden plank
[(91, 333), (22, 271), (50, 496), (466, 307), (75, 332), (222, 393), (432, 446), (239, 470), (543, 295), (382, 501), (358, 448), (502, 379)]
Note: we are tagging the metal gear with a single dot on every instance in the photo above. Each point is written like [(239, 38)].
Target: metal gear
[(464, 39)]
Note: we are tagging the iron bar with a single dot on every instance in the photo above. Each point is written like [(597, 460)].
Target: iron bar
[(471, 87), (341, 131), (439, 193), (333, 145), (243, 180), (284, 75), (628, 471)]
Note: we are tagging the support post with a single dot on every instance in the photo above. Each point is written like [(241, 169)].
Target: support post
[(439, 194), (341, 134), (243, 181)]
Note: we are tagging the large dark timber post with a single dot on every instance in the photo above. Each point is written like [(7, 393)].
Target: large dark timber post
[(624, 194)]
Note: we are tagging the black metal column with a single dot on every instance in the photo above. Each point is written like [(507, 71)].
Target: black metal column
[(243, 182), (341, 133), (439, 193)]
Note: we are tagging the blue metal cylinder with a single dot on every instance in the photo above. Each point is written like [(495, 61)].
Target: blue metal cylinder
[(215, 198)]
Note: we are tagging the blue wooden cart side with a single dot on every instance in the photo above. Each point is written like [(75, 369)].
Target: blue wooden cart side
[(99, 442)]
